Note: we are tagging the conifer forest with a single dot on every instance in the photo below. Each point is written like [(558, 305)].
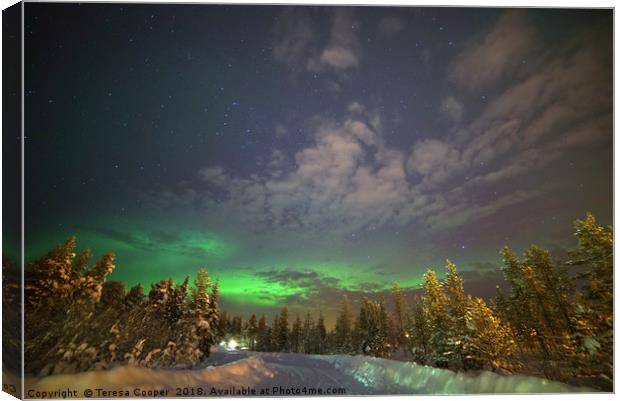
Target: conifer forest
[(555, 322)]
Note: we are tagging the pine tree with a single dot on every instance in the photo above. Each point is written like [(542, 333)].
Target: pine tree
[(60, 292), (593, 317), (82, 261), (236, 326), (421, 332), (343, 327), (275, 334), (436, 305), (296, 336), (263, 340), (457, 308), (308, 335), (223, 327), (321, 336), (135, 296), (252, 332), (283, 332), (374, 328), (205, 310), (214, 309), (539, 307), (492, 340), (386, 332), (402, 323)]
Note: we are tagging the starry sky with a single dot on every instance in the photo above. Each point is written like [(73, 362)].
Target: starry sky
[(302, 153)]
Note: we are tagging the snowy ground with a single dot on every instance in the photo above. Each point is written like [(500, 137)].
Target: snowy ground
[(356, 374)]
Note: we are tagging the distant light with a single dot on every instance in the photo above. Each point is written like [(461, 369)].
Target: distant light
[(232, 344)]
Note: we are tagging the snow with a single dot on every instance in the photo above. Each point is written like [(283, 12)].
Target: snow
[(358, 375)]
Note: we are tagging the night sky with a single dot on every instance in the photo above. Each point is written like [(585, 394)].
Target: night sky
[(300, 153)]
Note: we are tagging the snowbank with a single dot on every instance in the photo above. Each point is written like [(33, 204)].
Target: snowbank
[(395, 377), (356, 374), (248, 371)]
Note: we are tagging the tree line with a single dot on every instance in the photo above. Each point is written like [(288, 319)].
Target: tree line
[(76, 321), (555, 321)]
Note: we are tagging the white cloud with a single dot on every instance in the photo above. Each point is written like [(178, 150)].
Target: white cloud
[(338, 57), (434, 160), (538, 117), (298, 44), (501, 52), (348, 177)]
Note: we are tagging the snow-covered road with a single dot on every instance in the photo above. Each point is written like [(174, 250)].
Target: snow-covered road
[(291, 373)]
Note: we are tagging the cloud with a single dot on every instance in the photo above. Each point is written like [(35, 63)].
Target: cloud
[(344, 180), (347, 177), (296, 279), (316, 291), (434, 160), (336, 57), (452, 108), (499, 54), (536, 118), (391, 25), (294, 35), (464, 212), (356, 108), (298, 42), (198, 244)]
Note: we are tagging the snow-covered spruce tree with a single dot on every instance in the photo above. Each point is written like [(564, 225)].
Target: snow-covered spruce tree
[(402, 320), (135, 296), (356, 339), (274, 343), (223, 326), (321, 346), (517, 306), (236, 326), (374, 328), (342, 331), (540, 310), (436, 305), (251, 332), (460, 334), (263, 335), (421, 332), (204, 313), (308, 335), (330, 342), (174, 328), (62, 292), (296, 336), (491, 342), (386, 331), (593, 316), (108, 324), (283, 332)]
